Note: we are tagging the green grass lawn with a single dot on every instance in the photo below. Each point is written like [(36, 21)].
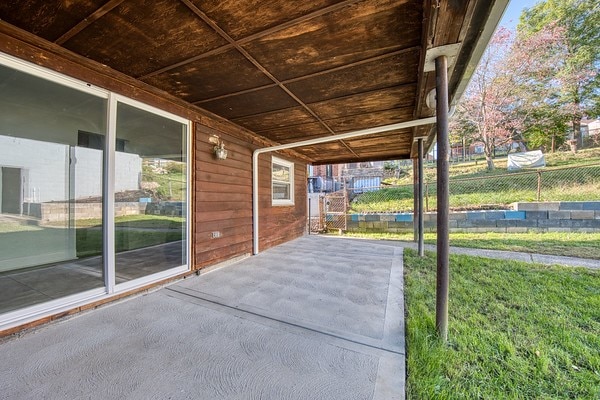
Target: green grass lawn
[(472, 185), (500, 188), (472, 169), (132, 232), (142, 221), (516, 331), (573, 244)]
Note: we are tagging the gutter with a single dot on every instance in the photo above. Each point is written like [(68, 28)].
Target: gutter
[(310, 142), (492, 22)]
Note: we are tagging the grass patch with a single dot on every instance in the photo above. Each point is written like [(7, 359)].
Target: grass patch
[(89, 241), (472, 185), (141, 221), (472, 169), (132, 232), (516, 331), (572, 244), (498, 187)]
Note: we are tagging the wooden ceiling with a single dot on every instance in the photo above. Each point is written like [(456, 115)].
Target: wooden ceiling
[(286, 70)]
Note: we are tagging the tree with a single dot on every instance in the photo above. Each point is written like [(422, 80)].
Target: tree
[(481, 113), (515, 94), (577, 82), (533, 67)]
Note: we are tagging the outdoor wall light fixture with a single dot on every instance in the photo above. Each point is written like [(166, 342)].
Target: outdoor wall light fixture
[(219, 148)]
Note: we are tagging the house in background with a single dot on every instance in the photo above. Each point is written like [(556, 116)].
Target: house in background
[(224, 94), (590, 132)]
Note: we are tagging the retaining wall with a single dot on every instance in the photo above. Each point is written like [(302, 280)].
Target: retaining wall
[(572, 216), (59, 212)]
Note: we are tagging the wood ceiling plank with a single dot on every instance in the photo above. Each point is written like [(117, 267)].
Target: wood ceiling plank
[(255, 102), (382, 155), (450, 22), (209, 77), (376, 100), (369, 120), (48, 19), (361, 148), (393, 137), (381, 73), (358, 31), (88, 21), (244, 18), (295, 133), (326, 73), (212, 14), (276, 119), (140, 36), (342, 159), (253, 60)]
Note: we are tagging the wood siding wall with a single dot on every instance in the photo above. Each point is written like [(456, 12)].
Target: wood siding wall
[(223, 201), (221, 189)]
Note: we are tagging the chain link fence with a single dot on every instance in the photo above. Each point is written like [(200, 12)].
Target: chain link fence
[(496, 190)]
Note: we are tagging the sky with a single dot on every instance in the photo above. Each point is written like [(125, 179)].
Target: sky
[(510, 19)]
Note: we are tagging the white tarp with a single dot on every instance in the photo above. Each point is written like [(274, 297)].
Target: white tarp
[(528, 159)]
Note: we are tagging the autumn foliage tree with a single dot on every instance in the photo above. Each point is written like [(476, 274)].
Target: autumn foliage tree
[(533, 85), (509, 90), (481, 112)]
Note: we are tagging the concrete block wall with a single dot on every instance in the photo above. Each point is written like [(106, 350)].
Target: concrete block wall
[(58, 212), (545, 217)]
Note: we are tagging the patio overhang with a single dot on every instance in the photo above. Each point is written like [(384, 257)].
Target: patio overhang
[(286, 71)]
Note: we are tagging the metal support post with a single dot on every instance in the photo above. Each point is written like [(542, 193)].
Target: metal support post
[(309, 216), (421, 225), (415, 202), (443, 189)]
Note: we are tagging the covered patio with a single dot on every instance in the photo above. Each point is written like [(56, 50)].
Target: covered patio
[(315, 318), (277, 86)]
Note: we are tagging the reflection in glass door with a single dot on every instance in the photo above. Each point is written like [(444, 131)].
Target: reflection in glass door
[(150, 193), (51, 198)]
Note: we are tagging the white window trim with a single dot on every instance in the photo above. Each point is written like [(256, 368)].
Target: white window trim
[(290, 165)]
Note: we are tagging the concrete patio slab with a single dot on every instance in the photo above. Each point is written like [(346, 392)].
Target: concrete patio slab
[(316, 318)]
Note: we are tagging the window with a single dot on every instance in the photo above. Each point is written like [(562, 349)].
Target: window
[(282, 182)]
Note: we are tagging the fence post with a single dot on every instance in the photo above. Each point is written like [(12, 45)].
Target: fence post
[(539, 185), (426, 197)]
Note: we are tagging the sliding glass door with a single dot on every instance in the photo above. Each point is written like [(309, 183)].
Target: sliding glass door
[(93, 192)]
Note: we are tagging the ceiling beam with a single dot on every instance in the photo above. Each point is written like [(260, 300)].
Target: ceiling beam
[(258, 65), (88, 21)]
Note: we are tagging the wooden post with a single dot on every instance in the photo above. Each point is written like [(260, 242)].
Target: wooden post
[(443, 189)]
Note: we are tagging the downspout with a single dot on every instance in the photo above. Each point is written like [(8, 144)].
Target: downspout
[(310, 142)]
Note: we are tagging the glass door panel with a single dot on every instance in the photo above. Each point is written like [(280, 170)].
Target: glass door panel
[(150, 193), (51, 173)]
